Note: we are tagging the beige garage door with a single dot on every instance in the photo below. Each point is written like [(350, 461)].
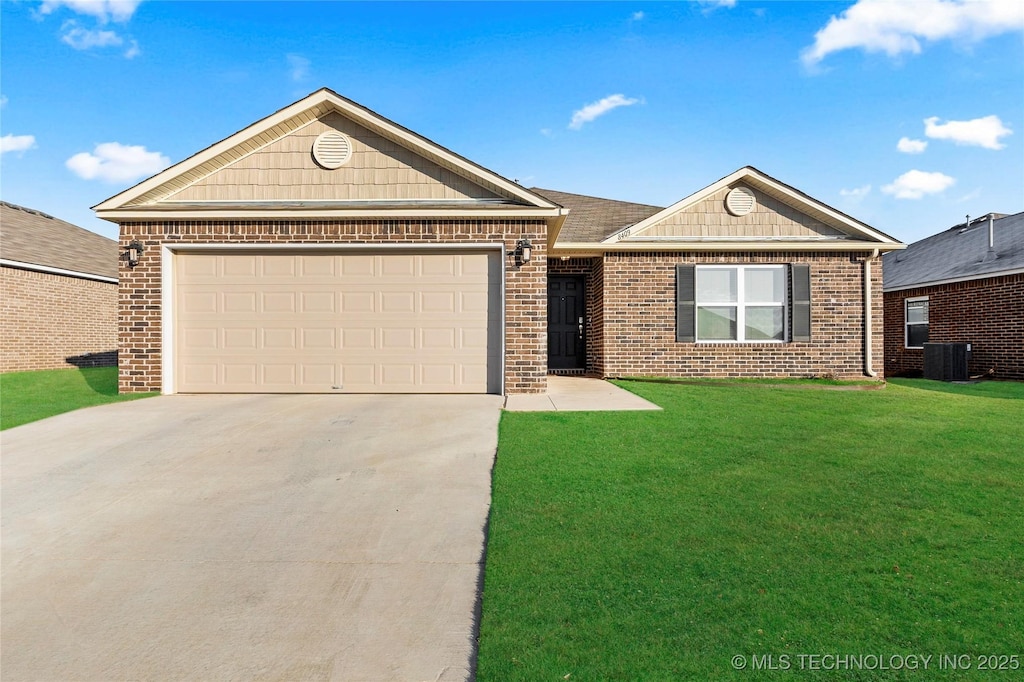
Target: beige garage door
[(337, 322)]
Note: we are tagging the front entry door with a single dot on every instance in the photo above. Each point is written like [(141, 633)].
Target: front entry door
[(567, 348)]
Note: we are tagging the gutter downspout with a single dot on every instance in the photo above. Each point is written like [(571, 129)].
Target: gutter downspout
[(868, 333)]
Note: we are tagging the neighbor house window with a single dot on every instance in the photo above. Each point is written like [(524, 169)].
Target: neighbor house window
[(917, 322), (741, 303)]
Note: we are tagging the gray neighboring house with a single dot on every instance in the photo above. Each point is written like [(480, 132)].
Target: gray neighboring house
[(962, 285), (58, 293)]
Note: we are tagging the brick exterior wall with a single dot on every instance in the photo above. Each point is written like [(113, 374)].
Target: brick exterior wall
[(640, 320), (140, 312), (987, 313), (50, 321)]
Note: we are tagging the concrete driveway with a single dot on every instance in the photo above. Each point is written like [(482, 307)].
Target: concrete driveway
[(247, 537)]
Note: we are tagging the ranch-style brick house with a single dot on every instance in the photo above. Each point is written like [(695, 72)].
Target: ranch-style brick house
[(962, 285), (328, 249)]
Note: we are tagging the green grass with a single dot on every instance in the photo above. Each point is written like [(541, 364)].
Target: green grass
[(29, 396), (751, 521)]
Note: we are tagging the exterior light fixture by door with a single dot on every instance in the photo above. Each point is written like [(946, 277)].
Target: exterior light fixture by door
[(133, 252), (524, 248)]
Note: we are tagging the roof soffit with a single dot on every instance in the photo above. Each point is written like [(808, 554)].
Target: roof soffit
[(290, 119)]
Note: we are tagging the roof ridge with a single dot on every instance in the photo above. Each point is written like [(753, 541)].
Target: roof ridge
[(33, 211), (591, 196)]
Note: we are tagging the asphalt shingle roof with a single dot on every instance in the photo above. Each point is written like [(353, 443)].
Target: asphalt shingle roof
[(592, 219), (30, 236), (957, 253)]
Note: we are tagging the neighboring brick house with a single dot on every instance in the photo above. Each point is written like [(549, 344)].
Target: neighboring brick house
[(58, 293), (328, 249), (962, 285)]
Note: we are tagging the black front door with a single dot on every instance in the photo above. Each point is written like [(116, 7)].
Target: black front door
[(567, 348)]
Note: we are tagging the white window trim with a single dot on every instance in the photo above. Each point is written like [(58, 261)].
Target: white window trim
[(907, 322), (741, 304)]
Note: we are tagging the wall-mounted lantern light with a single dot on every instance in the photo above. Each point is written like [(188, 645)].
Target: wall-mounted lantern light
[(524, 249), (133, 252)]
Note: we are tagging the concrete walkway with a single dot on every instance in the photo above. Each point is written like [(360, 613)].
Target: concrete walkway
[(578, 394), (247, 537)]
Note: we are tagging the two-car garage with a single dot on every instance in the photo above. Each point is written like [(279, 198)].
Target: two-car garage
[(334, 321)]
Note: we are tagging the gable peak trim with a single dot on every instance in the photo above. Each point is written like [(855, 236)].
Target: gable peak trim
[(315, 106)]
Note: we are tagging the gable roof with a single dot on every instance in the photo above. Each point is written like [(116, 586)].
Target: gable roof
[(146, 198), (592, 219), (959, 254), (30, 238), (852, 232)]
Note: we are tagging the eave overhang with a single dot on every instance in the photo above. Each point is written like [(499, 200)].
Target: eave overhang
[(597, 248)]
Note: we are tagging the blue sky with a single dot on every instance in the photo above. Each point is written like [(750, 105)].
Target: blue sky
[(906, 115)]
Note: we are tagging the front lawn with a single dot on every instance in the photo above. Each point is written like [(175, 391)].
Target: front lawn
[(29, 396), (769, 524)]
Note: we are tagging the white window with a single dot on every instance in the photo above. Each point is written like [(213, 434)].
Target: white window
[(916, 322), (741, 303)]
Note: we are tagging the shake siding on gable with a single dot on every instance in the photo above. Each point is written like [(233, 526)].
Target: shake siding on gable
[(378, 169), (709, 218)]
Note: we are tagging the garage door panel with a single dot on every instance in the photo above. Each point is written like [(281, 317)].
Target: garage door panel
[(319, 339), (244, 267), (243, 339), (239, 302), (387, 323)]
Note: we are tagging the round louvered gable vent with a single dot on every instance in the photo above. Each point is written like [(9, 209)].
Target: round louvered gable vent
[(332, 149), (740, 201)]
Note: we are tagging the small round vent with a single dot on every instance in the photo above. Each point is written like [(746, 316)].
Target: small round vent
[(740, 201), (332, 149)]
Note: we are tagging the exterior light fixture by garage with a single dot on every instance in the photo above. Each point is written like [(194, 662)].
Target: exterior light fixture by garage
[(133, 252), (740, 201), (523, 250)]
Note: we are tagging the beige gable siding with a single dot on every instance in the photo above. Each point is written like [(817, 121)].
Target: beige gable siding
[(379, 169), (709, 218)]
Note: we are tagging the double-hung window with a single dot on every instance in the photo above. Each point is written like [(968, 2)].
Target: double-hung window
[(741, 303), (916, 322)]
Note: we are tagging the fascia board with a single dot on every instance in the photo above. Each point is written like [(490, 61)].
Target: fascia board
[(670, 247), (953, 280), (142, 214)]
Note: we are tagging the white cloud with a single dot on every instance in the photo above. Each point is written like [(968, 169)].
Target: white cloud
[(133, 50), (591, 111), (915, 184), (980, 132), (908, 146), (898, 26), (857, 193), (637, 16), (546, 132), (299, 66), (3, 101), (115, 162), (102, 10), (16, 143), (85, 39), (715, 4)]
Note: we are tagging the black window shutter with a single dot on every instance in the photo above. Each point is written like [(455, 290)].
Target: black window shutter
[(685, 304), (800, 273)]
